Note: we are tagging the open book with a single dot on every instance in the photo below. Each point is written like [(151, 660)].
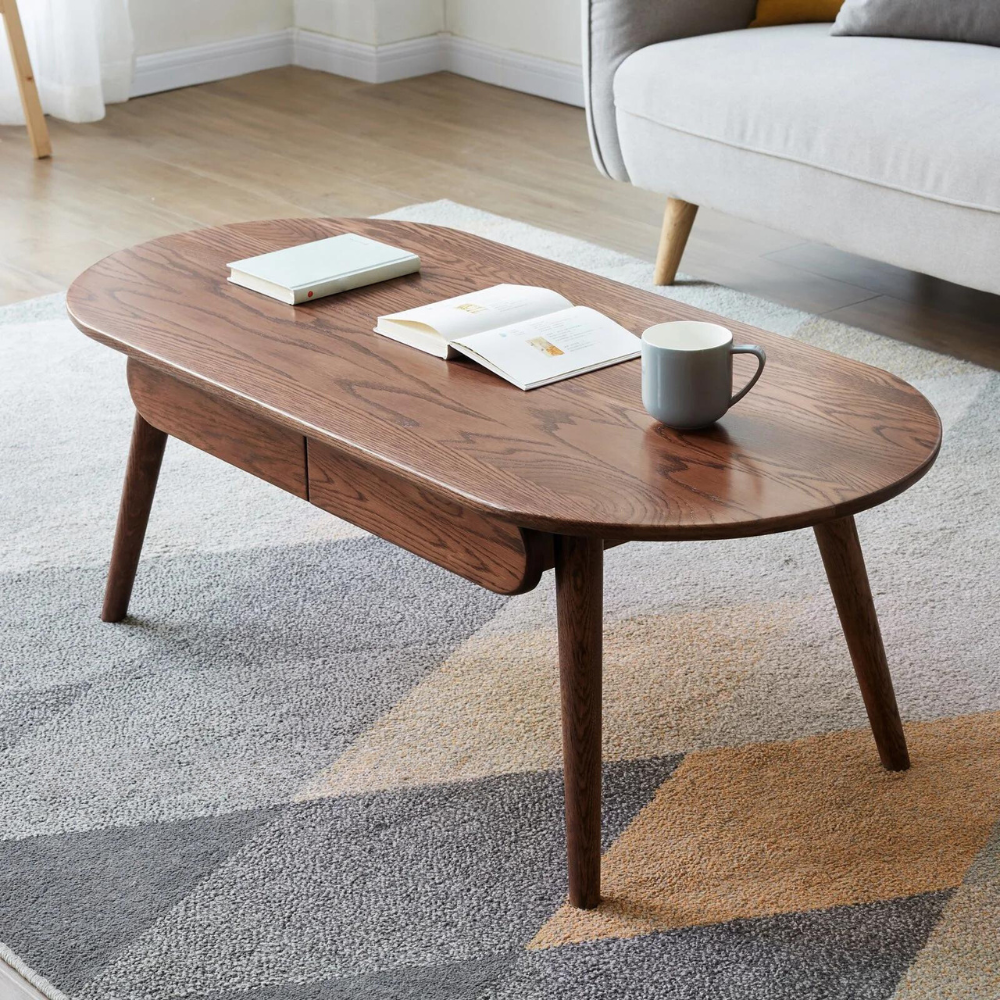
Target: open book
[(529, 336)]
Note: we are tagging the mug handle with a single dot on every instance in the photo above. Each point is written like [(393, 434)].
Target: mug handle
[(761, 360)]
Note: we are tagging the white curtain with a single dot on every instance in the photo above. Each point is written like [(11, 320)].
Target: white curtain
[(82, 56)]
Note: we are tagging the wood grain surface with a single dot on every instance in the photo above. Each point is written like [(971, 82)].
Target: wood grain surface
[(493, 553), (819, 438), (229, 432)]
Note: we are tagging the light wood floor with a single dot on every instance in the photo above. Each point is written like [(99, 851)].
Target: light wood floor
[(296, 142)]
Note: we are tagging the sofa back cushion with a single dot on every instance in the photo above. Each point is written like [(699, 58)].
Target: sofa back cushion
[(772, 12), (938, 20)]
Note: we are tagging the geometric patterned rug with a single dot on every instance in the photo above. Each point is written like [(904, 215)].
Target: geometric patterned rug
[(310, 765)]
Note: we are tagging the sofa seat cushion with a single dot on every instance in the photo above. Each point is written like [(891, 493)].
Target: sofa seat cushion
[(918, 117)]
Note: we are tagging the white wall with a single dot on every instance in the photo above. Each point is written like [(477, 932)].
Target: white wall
[(549, 29), (546, 28), (529, 45), (165, 25)]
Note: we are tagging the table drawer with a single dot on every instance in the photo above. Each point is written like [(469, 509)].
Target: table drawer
[(222, 429), (493, 553)]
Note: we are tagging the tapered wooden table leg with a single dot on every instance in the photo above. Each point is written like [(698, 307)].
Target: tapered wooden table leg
[(144, 457), (580, 598), (845, 569)]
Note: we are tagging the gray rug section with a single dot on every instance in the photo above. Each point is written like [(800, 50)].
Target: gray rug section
[(360, 885), (847, 953), (71, 901), (21, 711), (453, 981), (65, 421), (241, 676), (46, 307)]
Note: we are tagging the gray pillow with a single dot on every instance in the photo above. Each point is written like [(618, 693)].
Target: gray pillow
[(940, 20)]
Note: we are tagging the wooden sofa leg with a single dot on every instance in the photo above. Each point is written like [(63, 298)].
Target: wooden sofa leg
[(678, 218)]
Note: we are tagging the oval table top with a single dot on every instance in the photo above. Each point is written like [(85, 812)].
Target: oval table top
[(819, 437)]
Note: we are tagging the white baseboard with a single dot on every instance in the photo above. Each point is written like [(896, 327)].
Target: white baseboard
[(371, 63), (558, 81), (215, 61)]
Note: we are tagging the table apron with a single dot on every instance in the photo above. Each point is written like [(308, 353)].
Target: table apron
[(266, 450), (494, 553), (491, 552)]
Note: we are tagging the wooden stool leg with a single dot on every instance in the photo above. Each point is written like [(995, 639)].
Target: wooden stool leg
[(845, 569), (38, 131), (144, 457), (579, 596), (678, 218)]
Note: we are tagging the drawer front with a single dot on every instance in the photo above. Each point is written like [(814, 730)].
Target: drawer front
[(222, 429), (490, 552)]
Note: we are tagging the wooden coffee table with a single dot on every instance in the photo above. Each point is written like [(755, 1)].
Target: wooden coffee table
[(497, 485)]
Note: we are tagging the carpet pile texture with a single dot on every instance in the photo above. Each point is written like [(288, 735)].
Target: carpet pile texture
[(310, 765)]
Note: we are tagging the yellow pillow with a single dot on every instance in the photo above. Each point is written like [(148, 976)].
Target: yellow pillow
[(772, 12)]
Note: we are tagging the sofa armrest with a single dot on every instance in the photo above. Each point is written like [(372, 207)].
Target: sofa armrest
[(614, 29)]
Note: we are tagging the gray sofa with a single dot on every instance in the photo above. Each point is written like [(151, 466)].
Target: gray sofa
[(884, 147)]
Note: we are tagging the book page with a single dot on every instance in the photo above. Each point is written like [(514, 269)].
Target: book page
[(475, 312), (548, 348)]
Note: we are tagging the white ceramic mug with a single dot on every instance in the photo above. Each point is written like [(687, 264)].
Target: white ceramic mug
[(687, 373)]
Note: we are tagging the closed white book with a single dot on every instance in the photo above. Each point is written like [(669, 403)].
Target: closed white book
[(324, 267)]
